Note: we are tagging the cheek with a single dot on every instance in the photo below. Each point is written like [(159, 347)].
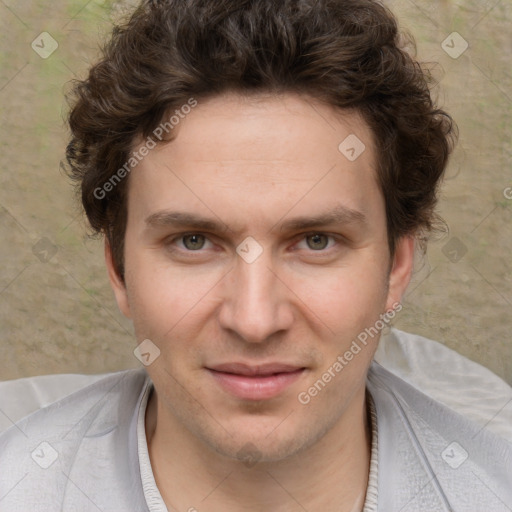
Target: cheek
[(163, 299), (347, 297)]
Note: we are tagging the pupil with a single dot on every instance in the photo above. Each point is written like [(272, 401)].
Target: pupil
[(318, 239), (194, 241)]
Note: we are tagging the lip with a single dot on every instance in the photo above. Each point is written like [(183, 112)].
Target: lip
[(259, 382)]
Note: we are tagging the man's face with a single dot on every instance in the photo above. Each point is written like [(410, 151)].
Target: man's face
[(245, 325)]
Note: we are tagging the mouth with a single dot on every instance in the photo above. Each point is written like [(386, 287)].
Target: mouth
[(260, 382)]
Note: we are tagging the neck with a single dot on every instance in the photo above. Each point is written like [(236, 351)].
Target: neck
[(330, 475)]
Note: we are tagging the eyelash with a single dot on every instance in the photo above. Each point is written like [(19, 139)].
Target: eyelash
[(337, 239)]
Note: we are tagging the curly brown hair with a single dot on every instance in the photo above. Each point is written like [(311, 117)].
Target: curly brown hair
[(346, 53)]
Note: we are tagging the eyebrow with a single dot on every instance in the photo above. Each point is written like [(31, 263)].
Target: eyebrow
[(339, 215)]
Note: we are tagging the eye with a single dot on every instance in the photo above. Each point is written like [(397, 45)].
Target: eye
[(193, 241), (318, 241)]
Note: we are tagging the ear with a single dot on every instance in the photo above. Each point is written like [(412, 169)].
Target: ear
[(401, 270), (116, 282)]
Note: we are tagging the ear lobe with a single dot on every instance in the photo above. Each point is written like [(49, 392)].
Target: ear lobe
[(117, 284), (401, 271)]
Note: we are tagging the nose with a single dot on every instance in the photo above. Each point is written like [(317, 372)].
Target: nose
[(256, 302)]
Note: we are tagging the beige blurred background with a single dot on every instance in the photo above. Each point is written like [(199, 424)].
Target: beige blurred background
[(57, 312)]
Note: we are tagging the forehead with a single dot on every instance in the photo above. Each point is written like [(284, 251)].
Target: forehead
[(260, 155), (234, 125)]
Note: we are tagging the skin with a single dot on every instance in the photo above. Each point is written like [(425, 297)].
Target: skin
[(251, 164)]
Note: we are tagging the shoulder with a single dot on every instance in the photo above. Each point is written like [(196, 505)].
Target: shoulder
[(89, 432), (431, 454), (450, 378), (21, 397)]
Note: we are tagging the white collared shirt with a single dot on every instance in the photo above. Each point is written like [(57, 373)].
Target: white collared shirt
[(87, 451)]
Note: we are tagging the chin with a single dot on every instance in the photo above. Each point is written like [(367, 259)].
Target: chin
[(253, 447)]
